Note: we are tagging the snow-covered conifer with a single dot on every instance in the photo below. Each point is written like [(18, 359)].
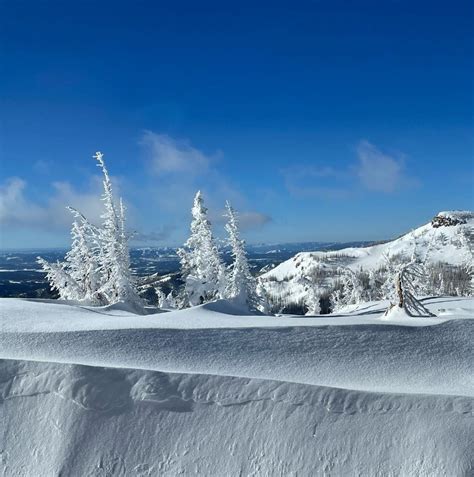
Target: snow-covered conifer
[(164, 300), (201, 266), (240, 284), (349, 291), (312, 299), (263, 297), (97, 268), (119, 283), (83, 260), (77, 278)]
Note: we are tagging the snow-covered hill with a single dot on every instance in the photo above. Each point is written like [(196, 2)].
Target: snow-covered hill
[(210, 391), (448, 238)]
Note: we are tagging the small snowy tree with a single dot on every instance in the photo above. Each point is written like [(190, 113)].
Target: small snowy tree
[(467, 270), (312, 298), (83, 260), (349, 290), (263, 297), (201, 266), (240, 284), (164, 300)]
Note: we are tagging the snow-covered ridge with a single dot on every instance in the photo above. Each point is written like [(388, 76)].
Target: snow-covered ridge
[(354, 351), (452, 244)]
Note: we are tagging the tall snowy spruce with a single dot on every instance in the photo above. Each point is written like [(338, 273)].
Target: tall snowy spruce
[(240, 284), (117, 280), (97, 268), (201, 267)]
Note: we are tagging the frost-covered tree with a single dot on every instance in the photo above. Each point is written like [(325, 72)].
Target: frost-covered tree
[(392, 264), (312, 298), (75, 278), (83, 260), (165, 300), (201, 267), (263, 297), (118, 282), (406, 290), (97, 268), (470, 271), (240, 284), (350, 289), (442, 285)]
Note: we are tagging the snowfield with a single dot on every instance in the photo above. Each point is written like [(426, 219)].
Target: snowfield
[(212, 391)]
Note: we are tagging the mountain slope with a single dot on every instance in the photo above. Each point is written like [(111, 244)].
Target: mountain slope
[(448, 238)]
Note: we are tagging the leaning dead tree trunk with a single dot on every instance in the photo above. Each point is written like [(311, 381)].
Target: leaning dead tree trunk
[(406, 281), (398, 284)]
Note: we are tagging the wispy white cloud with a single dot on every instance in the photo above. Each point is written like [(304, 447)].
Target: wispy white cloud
[(17, 209), (168, 155), (373, 170), (247, 219), (379, 171), (88, 202), (181, 169), (303, 181)]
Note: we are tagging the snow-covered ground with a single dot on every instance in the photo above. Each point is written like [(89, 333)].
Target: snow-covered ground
[(211, 391)]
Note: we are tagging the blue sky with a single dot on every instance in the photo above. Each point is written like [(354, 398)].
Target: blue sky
[(319, 120)]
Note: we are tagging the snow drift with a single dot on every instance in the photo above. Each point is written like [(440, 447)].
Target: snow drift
[(207, 391), (119, 422)]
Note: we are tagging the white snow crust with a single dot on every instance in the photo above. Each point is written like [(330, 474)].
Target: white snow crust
[(211, 391)]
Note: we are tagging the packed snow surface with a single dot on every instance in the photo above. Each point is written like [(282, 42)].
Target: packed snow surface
[(213, 391)]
